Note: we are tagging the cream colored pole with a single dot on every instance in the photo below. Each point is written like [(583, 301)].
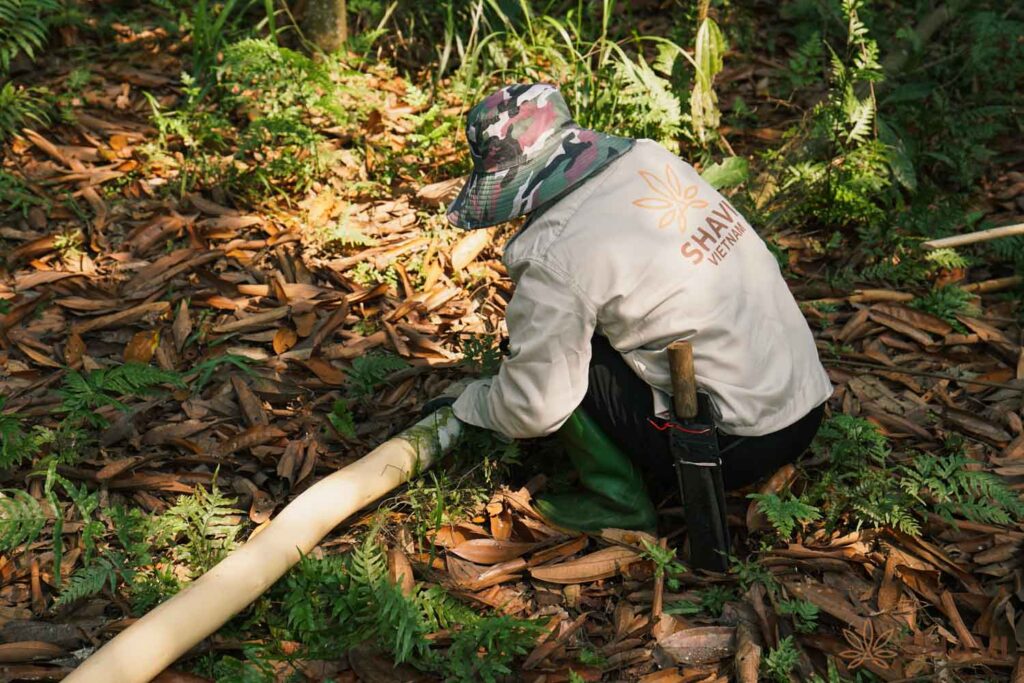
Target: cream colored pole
[(156, 640)]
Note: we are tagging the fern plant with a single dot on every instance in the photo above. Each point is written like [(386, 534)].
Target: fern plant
[(334, 603), (785, 513), (16, 444), (864, 482), (14, 193), (370, 370), (22, 518), (83, 394), (841, 173), (804, 613), (953, 486), (91, 579), (780, 661), (946, 302), (483, 650), (199, 529), (260, 78), (585, 61), (23, 29), (20, 107)]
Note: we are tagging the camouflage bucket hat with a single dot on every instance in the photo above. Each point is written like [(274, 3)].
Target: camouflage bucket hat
[(527, 151)]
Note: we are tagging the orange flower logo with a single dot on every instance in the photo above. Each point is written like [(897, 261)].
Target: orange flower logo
[(670, 198)]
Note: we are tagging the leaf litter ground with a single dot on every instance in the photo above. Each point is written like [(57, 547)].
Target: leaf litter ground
[(255, 309)]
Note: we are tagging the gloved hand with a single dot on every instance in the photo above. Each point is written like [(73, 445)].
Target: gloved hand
[(446, 398)]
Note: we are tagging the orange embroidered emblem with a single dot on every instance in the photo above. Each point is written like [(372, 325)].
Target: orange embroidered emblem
[(670, 198)]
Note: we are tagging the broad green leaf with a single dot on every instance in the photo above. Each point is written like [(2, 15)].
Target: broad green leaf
[(729, 172)]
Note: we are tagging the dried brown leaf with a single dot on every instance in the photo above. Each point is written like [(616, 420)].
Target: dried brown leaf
[(700, 645), (598, 565), (490, 551), (254, 436)]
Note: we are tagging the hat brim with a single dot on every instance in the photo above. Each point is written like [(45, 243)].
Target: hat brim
[(575, 154)]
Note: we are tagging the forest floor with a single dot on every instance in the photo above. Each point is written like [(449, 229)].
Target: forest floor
[(280, 358)]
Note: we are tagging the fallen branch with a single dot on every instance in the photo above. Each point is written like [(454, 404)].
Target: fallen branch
[(972, 237)]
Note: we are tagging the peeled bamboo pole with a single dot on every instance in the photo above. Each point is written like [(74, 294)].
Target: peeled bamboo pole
[(154, 642), (972, 237)]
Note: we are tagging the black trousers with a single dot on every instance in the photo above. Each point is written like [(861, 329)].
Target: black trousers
[(622, 405)]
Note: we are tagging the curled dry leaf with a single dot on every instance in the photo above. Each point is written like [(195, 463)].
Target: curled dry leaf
[(491, 551), (262, 507), (602, 564), (255, 436)]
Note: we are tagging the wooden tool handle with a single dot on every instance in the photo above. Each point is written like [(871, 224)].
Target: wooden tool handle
[(684, 383)]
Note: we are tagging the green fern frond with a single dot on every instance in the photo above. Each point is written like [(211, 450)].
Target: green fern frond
[(946, 302), (83, 394), (369, 371), (200, 528), (88, 581), (21, 518), (846, 438), (484, 650), (785, 513), (22, 28), (16, 444), (949, 259), (401, 625), (20, 107)]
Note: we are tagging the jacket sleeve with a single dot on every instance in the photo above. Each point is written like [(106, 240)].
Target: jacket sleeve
[(544, 377)]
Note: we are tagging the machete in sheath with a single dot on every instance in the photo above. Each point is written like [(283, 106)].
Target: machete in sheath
[(694, 447)]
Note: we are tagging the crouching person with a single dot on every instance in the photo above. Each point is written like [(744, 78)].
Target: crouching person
[(626, 250)]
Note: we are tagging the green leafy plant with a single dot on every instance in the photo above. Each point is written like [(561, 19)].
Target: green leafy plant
[(19, 107), (370, 370), (83, 394), (333, 603), (807, 63), (258, 78), (342, 419), (203, 372), (211, 25), (369, 275), (199, 529), (750, 571), (483, 650), (23, 29), (953, 485), (18, 445), (192, 535), (866, 482), (277, 154), (22, 518), (785, 513), (607, 88), (780, 661), (481, 353), (665, 563), (16, 195), (946, 302), (91, 579), (804, 613)]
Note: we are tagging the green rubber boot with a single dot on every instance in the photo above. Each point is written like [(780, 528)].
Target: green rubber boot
[(612, 489)]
